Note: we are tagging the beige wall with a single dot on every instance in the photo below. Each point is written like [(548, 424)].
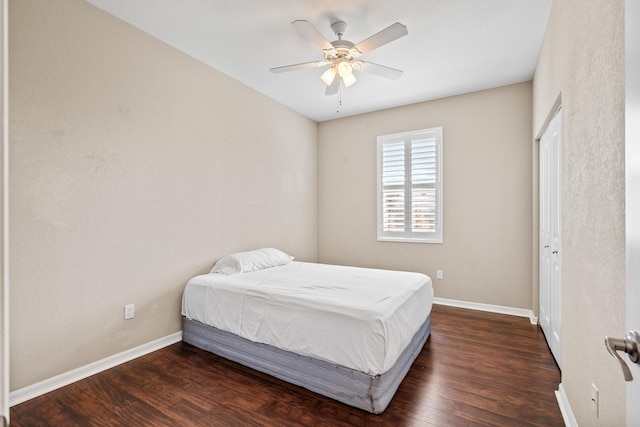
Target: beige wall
[(582, 60), (486, 254), (133, 167)]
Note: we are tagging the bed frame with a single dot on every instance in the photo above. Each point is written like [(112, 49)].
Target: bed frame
[(355, 388)]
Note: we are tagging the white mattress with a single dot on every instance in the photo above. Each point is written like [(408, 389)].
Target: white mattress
[(354, 317)]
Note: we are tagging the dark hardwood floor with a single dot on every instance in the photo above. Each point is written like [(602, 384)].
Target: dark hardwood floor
[(477, 369)]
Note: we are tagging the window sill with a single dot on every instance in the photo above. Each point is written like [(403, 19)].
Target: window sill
[(408, 240)]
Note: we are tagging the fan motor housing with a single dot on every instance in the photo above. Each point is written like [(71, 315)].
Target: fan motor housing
[(342, 49)]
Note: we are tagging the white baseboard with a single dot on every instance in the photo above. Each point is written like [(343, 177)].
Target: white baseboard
[(565, 408), (66, 378), (500, 309)]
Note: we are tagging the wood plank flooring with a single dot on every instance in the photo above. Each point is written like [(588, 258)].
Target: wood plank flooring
[(477, 369)]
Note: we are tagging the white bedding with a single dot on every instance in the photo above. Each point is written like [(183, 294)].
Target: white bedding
[(358, 318)]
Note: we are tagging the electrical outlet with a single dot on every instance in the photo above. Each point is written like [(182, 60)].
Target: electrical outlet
[(439, 274), (595, 400), (129, 311)]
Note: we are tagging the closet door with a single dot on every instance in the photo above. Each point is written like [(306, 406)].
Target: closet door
[(545, 238), (550, 234)]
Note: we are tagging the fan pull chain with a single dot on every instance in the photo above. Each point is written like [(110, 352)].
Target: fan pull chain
[(339, 100)]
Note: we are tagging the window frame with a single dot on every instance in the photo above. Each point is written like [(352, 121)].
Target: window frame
[(411, 236)]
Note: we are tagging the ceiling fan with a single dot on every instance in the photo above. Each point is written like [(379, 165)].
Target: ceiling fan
[(342, 55)]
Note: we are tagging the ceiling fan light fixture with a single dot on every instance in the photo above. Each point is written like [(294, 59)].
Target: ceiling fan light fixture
[(329, 54), (328, 76), (349, 79), (354, 52), (344, 69)]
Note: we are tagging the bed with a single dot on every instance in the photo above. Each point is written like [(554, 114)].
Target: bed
[(344, 332)]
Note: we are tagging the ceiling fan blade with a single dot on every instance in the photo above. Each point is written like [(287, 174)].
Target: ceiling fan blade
[(314, 64), (389, 34), (310, 32), (380, 70), (333, 88)]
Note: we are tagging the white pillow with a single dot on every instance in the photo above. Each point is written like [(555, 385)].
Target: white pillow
[(244, 262)]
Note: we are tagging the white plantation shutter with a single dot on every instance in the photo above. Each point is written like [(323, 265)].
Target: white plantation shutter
[(410, 186), (393, 186)]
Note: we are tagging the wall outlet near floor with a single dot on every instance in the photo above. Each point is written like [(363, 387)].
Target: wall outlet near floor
[(595, 399), (129, 311), (439, 274)]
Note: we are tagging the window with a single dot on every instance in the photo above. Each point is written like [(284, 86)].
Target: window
[(410, 186)]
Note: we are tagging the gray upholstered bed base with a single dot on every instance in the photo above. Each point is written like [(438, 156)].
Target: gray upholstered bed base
[(355, 388)]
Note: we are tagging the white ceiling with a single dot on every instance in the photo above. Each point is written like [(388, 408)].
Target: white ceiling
[(453, 46)]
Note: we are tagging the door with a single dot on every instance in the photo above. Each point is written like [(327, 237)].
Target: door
[(550, 226), (632, 172), (545, 238)]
